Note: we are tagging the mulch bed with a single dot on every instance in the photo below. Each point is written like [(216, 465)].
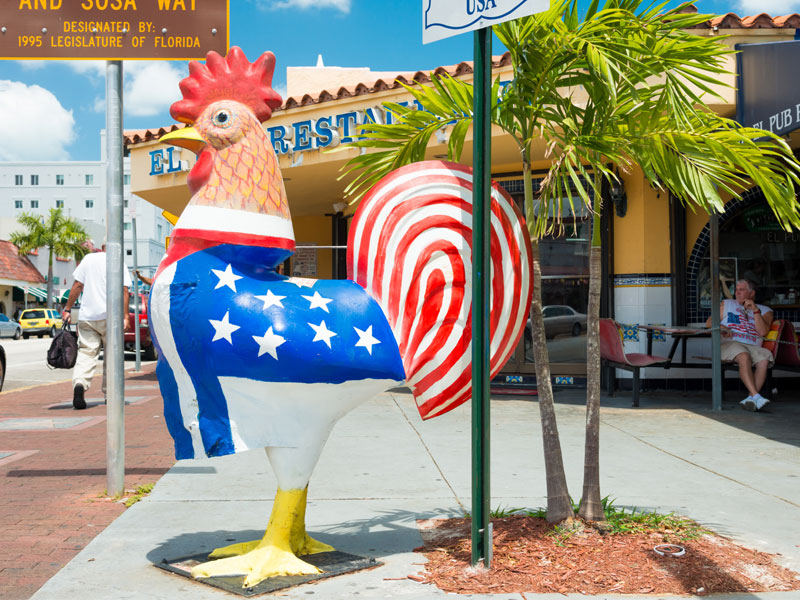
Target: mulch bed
[(527, 559)]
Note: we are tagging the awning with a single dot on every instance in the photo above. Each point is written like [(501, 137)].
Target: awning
[(38, 293), (41, 293)]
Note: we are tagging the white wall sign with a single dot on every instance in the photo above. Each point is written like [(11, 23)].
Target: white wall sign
[(446, 18)]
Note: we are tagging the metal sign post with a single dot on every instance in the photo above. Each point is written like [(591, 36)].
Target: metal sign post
[(136, 307), (114, 360), (481, 275)]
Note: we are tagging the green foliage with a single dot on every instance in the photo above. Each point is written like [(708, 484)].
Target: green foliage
[(672, 526), (58, 233), (626, 84), (140, 492), (618, 521)]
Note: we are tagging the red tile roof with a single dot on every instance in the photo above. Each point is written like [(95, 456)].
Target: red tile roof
[(14, 266), (728, 21)]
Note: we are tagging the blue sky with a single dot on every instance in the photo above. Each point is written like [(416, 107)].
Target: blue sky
[(54, 110)]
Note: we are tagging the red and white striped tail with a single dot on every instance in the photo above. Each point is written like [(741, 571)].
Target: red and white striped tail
[(410, 247)]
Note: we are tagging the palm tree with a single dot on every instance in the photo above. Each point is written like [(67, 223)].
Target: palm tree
[(62, 236), (622, 86)]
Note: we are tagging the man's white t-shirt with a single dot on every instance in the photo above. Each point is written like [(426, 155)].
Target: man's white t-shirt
[(91, 272), (741, 322)]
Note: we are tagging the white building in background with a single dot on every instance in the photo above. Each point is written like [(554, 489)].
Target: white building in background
[(79, 188)]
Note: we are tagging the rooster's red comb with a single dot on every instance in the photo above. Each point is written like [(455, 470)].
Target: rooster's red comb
[(229, 78)]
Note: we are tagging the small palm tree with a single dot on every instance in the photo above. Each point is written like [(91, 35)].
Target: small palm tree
[(625, 84), (62, 236)]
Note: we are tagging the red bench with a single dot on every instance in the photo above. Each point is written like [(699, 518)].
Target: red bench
[(612, 353)]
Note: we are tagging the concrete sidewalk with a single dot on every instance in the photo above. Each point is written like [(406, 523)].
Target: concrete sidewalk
[(383, 468)]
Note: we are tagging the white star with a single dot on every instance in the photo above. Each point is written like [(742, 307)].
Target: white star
[(269, 343), (226, 277), (271, 300), (366, 339), (318, 301), (223, 329), (322, 333), (302, 282)]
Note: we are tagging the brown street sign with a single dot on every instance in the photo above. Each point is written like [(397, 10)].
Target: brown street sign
[(113, 29)]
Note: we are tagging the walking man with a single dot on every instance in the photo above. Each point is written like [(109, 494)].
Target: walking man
[(90, 278)]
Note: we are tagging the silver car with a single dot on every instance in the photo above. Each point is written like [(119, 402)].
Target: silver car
[(560, 318), (9, 328)]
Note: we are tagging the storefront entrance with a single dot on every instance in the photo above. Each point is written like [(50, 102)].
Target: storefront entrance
[(565, 291)]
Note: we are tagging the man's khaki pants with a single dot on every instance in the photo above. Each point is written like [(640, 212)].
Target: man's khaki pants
[(91, 338)]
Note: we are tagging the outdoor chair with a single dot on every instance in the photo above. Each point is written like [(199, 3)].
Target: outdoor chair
[(787, 357), (613, 354)]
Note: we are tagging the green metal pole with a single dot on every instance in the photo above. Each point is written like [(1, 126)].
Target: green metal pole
[(716, 353), (482, 164)]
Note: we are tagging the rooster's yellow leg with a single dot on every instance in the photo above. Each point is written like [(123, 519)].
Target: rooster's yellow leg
[(301, 542), (275, 553)]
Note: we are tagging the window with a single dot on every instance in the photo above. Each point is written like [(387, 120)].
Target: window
[(126, 179), (159, 231), (59, 180), (89, 203), (59, 204), (129, 252), (90, 180), (34, 180), (126, 226), (17, 179), (3, 318), (34, 204), (126, 203), (17, 203)]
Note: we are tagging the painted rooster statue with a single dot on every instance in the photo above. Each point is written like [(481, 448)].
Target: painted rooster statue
[(249, 358)]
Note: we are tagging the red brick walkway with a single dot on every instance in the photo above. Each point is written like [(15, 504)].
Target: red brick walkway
[(51, 502)]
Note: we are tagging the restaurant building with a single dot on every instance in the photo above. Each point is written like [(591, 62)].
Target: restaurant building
[(656, 252)]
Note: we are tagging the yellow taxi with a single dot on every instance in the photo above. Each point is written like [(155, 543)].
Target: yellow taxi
[(40, 322)]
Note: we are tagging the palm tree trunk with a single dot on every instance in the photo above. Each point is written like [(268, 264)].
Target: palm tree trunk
[(559, 506), (591, 508), (50, 278)]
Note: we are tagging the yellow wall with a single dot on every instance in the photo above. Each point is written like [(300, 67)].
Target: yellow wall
[(641, 237)]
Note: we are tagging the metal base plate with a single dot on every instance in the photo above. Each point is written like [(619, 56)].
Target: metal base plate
[(330, 563)]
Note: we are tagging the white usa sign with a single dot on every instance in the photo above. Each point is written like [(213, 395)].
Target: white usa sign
[(445, 18)]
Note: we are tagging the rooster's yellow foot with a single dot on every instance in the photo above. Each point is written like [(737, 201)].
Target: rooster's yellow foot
[(257, 565), (312, 546), (308, 546)]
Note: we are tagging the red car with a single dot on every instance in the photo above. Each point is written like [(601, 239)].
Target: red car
[(145, 341)]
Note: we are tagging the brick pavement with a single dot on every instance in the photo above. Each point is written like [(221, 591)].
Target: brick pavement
[(51, 489)]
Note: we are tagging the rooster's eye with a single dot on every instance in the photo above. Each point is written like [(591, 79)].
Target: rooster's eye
[(221, 118)]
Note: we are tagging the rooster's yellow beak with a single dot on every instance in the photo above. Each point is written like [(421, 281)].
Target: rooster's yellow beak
[(185, 138)]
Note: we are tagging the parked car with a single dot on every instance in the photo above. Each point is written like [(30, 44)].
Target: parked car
[(9, 327), (558, 318), (39, 322), (145, 341)]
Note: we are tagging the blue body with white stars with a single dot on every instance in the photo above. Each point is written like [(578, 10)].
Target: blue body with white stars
[(250, 358)]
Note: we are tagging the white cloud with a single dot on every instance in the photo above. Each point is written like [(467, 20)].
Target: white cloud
[(35, 125), (90, 68), (342, 5), (31, 65), (151, 86), (775, 8)]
